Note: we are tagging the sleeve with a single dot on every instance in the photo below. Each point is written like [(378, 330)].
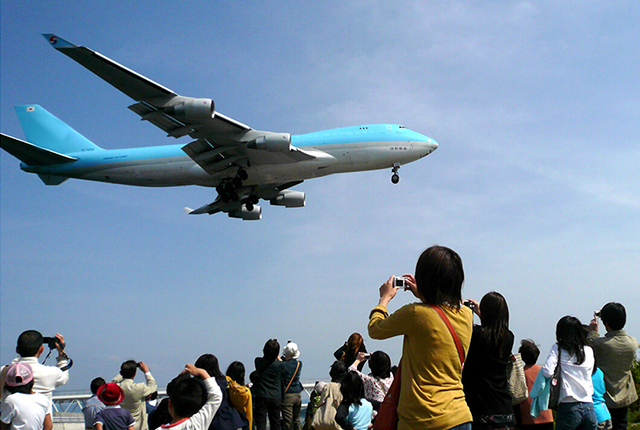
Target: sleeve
[(202, 419), (383, 326), (151, 386), (8, 411), (551, 362), (117, 379), (339, 352), (341, 417)]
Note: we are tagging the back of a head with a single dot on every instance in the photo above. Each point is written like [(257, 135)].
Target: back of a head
[(187, 396), (571, 337), (97, 383), (338, 371), (614, 315), (352, 388), (209, 362), (494, 321), (128, 369), (271, 350), (354, 342), (380, 364), (236, 371), (29, 343), (439, 276), (529, 352)]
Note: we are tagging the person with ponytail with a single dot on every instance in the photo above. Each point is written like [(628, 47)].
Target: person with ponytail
[(576, 360)]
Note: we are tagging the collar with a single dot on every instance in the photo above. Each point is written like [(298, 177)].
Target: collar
[(614, 333), (26, 360), (168, 426)]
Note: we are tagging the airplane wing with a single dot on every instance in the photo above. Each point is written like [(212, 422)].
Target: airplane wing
[(220, 141)]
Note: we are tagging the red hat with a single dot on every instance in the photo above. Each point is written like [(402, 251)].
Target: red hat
[(110, 394)]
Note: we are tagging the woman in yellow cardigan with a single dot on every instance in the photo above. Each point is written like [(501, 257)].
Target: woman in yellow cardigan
[(431, 395)]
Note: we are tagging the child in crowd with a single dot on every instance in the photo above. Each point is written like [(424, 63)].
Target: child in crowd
[(112, 417), (354, 412), (22, 408), (186, 398)]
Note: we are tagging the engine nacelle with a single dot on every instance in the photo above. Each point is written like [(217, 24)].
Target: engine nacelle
[(288, 198), (191, 108), (272, 142), (247, 215)]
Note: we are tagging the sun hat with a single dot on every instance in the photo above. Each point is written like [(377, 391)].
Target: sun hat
[(291, 351), (110, 394), (19, 374)]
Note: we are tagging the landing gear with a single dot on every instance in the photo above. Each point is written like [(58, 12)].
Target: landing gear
[(250, 202), (395, 178)]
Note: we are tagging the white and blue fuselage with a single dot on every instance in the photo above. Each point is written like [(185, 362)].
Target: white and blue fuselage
[(340, 150)]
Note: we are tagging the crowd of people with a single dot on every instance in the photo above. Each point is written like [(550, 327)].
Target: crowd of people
[(452, 374)]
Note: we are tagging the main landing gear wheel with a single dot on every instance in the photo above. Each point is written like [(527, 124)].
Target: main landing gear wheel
[(395, 178)]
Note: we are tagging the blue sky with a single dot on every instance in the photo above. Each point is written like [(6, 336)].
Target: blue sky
[(535, 184)]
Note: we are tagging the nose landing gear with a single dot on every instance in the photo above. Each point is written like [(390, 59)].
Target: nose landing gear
[(395, 178)]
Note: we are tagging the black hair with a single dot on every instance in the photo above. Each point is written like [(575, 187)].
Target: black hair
[(209, 362), (571, 337), (187, 396), (380, 364), (352, 389), (29, 343), (97, 383), (494, 319), (128, 369), (271, 350), (24, 389), (439, 276), (529, 352), (614, 315), (338, 371), (236, 372)]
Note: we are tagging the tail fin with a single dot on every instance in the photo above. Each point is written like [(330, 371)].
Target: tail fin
[(45, 130)]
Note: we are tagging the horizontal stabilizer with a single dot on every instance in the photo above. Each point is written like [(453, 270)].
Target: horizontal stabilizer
[(31, 154)]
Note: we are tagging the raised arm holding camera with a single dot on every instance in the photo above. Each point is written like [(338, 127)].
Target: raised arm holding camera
[(30, 347), (135, 394)]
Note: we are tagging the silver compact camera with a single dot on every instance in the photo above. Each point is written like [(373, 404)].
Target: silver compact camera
[(400, 282)]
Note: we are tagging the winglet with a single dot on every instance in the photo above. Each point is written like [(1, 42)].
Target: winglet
[(58, 42)]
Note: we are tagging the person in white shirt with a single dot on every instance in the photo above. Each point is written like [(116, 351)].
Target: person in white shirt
[(576, 361), (30, 347), (23, 409)]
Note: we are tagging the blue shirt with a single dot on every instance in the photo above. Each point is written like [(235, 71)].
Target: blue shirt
[(90, 408), (602, 412)]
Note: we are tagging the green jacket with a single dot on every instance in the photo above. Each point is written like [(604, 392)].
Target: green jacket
[(615, 353)]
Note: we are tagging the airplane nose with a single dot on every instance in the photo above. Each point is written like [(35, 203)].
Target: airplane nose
[(426, 147)]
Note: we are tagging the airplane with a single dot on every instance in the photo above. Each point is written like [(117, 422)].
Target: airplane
[(244, 165)]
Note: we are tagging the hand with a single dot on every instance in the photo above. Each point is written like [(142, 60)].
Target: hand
[(387, 292), (412, 285), (360, 357), (594, 324), (143, 367), (60, 343), (476, 307), (195, 371)]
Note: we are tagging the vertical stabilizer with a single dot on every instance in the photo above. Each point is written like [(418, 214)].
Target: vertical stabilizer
[(43, 129)]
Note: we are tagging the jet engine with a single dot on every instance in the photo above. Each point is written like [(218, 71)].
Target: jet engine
[(247, 215), (288, 198), (191, 108), (273, 142)]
